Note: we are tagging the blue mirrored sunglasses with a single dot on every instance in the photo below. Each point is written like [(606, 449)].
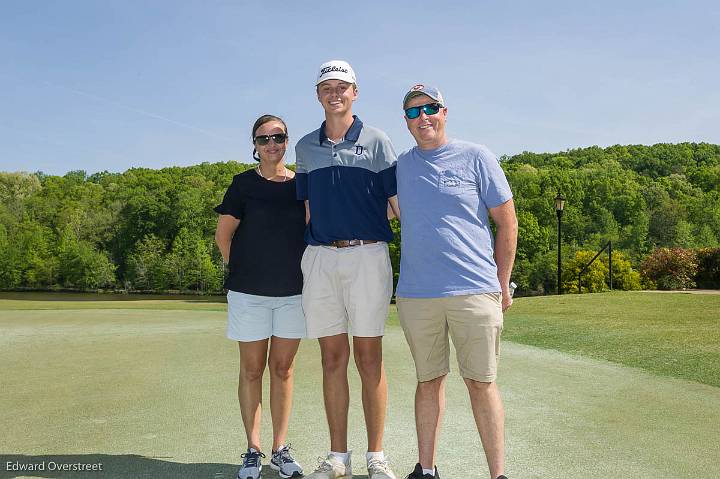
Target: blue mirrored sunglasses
[(429, 109)]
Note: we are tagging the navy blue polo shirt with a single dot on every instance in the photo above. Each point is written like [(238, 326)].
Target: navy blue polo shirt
[(347, 183)]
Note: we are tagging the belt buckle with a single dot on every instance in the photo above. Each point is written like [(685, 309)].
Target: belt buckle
[(345, 243), (352, 242)]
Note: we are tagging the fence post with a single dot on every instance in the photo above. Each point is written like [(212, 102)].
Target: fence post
[(610, 263)]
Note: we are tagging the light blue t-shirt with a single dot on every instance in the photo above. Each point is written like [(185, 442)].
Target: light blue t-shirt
[(447, 243)]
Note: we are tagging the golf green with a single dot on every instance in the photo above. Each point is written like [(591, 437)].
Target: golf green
[(147, 388)]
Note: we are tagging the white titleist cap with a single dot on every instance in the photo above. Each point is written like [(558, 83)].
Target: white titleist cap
[(336, 70)]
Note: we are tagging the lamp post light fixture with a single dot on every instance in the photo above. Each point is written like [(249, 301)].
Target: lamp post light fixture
[(559, 206)]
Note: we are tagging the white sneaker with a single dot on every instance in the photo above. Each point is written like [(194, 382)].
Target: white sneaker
[(379, 469), (331, 468)]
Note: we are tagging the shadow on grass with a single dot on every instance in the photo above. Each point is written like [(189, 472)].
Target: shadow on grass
[(124, 466)]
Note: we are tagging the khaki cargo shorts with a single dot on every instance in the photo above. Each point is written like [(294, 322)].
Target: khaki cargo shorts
[(473, 321)]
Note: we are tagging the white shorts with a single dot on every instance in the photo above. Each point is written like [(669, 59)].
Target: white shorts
[(346, 290), (252, 318)]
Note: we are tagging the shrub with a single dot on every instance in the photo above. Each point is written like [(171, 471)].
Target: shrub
[(671, 268), (540, 274), (593, 279), (597, 277), (708, 275), (624, 277)]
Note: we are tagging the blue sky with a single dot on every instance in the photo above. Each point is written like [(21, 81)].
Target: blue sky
[(110, 85)]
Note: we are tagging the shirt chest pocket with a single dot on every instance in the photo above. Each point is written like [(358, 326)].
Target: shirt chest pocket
[(455, 183)]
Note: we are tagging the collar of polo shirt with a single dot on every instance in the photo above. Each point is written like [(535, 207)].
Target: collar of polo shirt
[(352, 134)]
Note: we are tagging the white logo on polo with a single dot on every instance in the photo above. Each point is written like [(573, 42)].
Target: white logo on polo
[(333, 69), (417, 87)]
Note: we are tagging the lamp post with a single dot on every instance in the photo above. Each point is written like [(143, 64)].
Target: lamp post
[(559, 206)]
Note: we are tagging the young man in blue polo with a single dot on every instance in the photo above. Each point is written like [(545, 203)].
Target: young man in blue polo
[(346, 176)]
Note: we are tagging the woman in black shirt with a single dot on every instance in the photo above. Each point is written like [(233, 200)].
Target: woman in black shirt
[(260, 235)]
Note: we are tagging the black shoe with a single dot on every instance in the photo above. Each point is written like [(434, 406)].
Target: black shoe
[(418, 473), (501, 477)]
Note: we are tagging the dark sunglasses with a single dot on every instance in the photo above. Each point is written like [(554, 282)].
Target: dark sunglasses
[(265, 139), (429, 109)]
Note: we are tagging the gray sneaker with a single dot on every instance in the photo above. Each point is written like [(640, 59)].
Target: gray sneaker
[(252, 464), (284, 463)]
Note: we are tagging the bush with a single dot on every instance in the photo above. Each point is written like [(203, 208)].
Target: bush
[(671, 268), (540, 274), (597, 277), (624, 277), (708, 275), (394, 251), (594, 279)]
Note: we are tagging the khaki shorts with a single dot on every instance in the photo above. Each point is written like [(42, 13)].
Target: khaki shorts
[(346, 290), (474, 321)]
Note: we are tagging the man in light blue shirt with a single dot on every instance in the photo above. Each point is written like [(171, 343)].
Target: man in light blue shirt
[(454, 275)]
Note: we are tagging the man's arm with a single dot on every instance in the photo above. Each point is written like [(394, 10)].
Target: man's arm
[(227, 224), (505, 246), (301, 179), (393, 208)]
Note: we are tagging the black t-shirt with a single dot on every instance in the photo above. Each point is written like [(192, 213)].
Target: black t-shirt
[(268, 243)]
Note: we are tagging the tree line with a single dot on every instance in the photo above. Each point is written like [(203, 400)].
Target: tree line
[(153, 230), (639, 197)]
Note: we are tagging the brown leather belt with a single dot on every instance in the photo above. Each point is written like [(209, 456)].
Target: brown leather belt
[(346, 243)]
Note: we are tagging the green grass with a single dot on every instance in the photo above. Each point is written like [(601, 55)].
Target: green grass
[(676, 334), (71, 301), (148, 387), (673, 334)]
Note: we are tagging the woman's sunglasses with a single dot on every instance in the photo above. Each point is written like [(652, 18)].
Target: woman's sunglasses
[(429, 109), (263, 140)]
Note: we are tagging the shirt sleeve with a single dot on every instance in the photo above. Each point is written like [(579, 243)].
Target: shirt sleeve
[(388, 158), (494, 188), (301, 175), (233, 202)]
